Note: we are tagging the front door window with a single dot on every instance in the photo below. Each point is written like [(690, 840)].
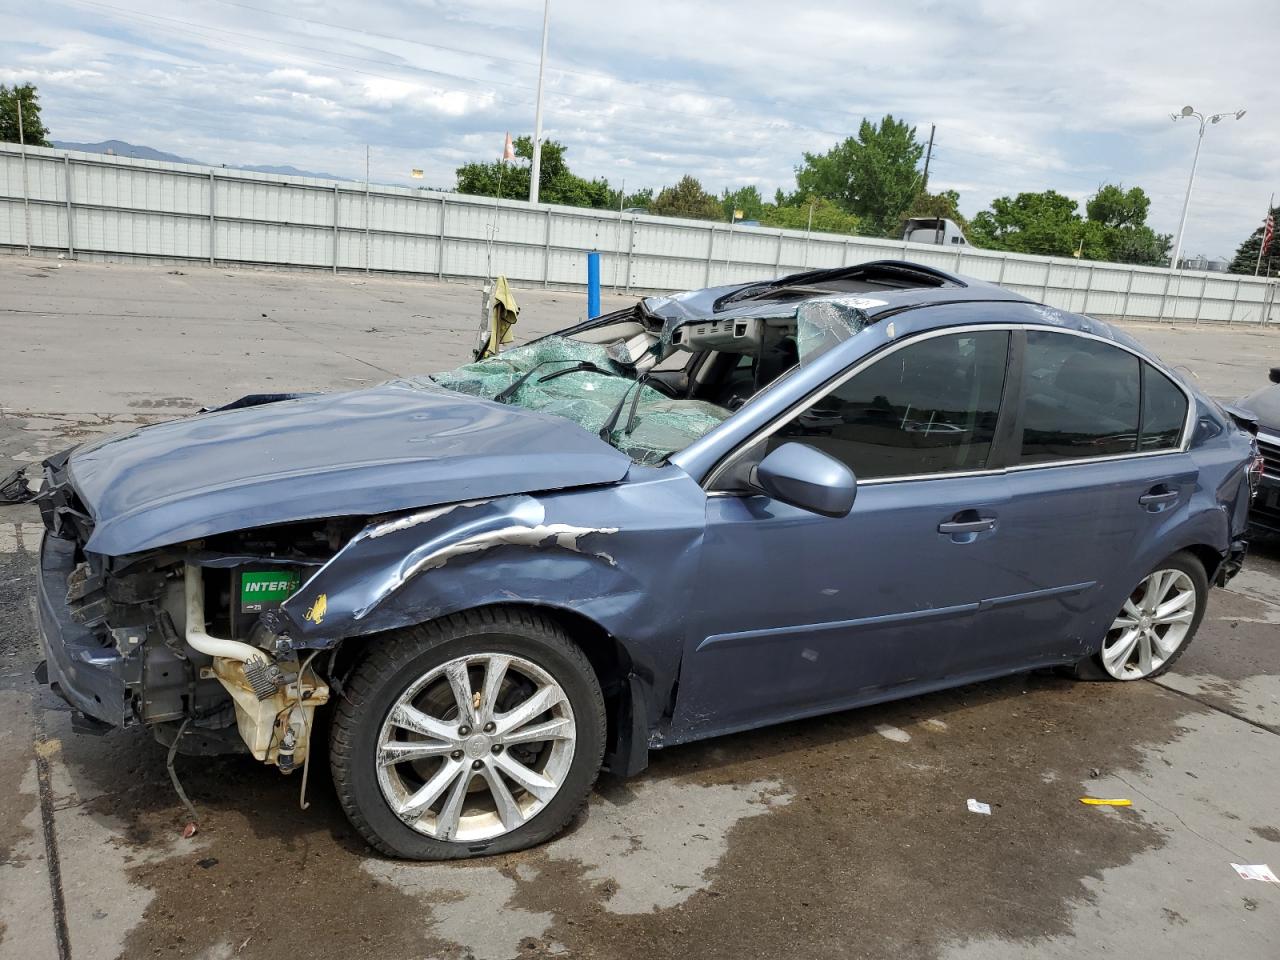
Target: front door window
[(927, 408)]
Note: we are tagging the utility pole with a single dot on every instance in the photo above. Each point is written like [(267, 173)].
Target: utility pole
[(928, 156), (535, 171)]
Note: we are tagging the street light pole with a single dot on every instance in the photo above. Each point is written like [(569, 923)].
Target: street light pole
[(535, 171), (1185, 113)]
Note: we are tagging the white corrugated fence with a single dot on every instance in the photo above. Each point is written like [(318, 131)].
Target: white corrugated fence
[(95, 206)]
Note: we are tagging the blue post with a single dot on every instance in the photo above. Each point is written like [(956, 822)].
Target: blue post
[(593, 285)]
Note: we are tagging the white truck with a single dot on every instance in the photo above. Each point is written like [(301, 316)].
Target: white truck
[(937, 230)]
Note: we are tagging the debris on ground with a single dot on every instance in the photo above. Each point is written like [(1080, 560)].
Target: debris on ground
[(1255, 871), (1100, 802), (977, 806), (14, 487)]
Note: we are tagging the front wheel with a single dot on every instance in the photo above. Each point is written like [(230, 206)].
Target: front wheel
[(482, 733), (1157, 622)]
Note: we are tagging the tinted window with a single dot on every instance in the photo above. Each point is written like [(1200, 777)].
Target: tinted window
[(1080, 399), (1164, 410), (927, 408)]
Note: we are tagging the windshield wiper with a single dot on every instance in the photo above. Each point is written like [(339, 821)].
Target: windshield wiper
[(635, 406), (585, 366), (611, 424), (510, 390)]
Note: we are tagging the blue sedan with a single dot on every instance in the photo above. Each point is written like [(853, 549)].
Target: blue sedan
[(702, 514)]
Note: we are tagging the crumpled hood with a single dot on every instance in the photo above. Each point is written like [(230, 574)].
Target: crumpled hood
[(393, 447)]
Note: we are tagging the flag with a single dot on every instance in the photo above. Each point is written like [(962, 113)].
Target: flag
[(508, 151), (1268, 229)]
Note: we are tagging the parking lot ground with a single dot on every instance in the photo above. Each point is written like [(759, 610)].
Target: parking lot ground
[(844, 836)]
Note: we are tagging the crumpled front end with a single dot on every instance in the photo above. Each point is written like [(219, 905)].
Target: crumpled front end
[(169, 638), (82, 664), (228, 638)]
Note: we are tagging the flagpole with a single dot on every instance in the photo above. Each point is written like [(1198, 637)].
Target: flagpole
[(507, 154), (1271, 204), (535, 168)]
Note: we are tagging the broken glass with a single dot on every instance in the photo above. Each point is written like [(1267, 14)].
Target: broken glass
[(583, 382), (822, 324)]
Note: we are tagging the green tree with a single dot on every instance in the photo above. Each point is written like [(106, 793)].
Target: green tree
[(1140, 245), (747, 199), (1043, 223), (1246, 258), (1114, 228), (556, 182), (1123, 217), (641, 198), (872, 175), (33, 128), (686, 199), (1113, 206), (827, 216)]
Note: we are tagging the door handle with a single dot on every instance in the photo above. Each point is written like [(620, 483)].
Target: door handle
[(1153, 498), (967, 526)]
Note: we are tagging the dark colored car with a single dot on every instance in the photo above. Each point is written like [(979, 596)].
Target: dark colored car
[(1263, 407), (702, 514)]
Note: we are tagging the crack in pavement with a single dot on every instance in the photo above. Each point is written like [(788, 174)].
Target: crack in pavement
[(44, 747), (1173, 813)]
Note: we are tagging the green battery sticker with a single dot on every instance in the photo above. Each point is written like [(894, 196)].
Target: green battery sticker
[(270, 587)]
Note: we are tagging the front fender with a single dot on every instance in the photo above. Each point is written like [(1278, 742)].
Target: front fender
[(623, 556)]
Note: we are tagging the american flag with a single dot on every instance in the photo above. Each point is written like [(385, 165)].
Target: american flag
[(1268, 229)]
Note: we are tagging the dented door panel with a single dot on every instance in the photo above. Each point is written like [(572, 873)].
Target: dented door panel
[(623, 556)]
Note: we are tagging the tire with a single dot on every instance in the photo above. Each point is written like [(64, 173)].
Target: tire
[(1185, 578), (399, 733)]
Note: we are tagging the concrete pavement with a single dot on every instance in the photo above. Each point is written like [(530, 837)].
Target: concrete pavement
[(844, 836)]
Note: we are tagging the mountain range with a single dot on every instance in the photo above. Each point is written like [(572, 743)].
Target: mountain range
[(122, 149)]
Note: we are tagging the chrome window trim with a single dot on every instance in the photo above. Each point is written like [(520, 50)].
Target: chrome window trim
[(777, 423)]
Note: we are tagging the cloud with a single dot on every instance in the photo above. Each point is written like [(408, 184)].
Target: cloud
[(1026, 94)]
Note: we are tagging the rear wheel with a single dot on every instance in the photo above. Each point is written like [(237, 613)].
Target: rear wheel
[(1156, 623), (482, 733)]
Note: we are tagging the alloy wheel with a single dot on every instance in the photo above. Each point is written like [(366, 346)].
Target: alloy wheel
[(1151, 626), (476, 747)]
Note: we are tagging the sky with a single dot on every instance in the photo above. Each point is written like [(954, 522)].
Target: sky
[(1026, 95)]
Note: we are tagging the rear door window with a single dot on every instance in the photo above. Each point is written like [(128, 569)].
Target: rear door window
[(1081, 399), (1164, 411)]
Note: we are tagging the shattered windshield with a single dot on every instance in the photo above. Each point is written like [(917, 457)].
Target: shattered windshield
[(612, 389), (585, 383)]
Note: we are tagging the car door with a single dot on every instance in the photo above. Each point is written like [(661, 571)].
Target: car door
[(1097, 473), (797, 613)]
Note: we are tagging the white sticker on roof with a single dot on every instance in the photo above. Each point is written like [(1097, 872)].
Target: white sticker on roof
[(861, 303)]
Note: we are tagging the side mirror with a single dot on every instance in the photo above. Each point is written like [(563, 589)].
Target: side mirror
[(1275, 374), (805, 477)]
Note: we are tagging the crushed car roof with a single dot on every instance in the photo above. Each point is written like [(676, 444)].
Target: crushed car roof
[(881, 285)]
